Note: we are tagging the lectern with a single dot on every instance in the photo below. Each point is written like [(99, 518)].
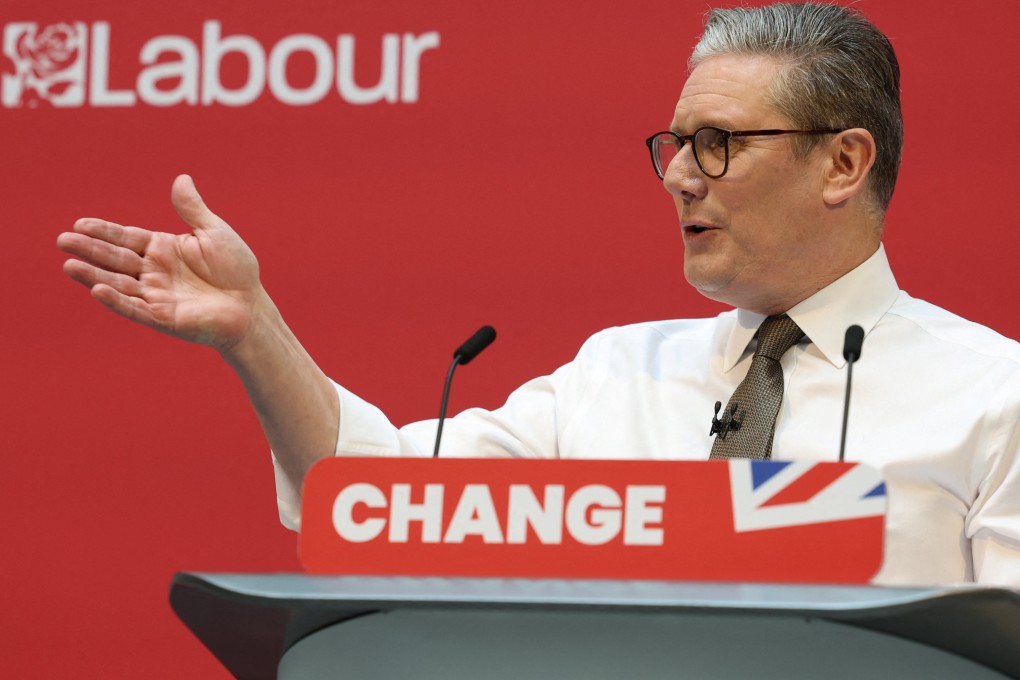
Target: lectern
[(298, 627), (514, 569)]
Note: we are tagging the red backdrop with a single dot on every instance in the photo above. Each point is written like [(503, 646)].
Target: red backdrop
[(515, 191)]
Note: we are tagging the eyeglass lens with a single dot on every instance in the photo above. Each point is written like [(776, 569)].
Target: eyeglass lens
[(710, 147)]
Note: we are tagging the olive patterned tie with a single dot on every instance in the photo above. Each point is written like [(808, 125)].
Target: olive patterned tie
[(751, 412)]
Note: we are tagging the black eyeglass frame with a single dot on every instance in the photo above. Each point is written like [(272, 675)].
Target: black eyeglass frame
[(726, 135)]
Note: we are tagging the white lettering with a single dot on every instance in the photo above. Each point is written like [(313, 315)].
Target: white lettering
[(545, 518), (594, 514), (99, 71), (343, 512), (213, 50), (174, 70), (278, 58), (603, 505), (414, 47), (639, 515), (475, 515), (403, 512), (386, 88), (184, 70)]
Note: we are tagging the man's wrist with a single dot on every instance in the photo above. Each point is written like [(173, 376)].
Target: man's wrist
[(265, 328)]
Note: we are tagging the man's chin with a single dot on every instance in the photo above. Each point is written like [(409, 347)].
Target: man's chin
[(719, 288), (708, 283)]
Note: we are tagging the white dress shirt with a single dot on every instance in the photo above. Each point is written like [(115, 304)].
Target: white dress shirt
[(935, 408)]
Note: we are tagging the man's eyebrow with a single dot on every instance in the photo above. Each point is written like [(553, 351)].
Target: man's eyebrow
[(679, 128), (710, 122)]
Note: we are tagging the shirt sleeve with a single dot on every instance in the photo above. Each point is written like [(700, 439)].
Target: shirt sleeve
[(528, 425), (993, 523)]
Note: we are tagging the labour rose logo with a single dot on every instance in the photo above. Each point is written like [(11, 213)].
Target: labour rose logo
[(49, 65)]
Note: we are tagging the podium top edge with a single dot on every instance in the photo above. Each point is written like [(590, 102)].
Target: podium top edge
[(439, 591)]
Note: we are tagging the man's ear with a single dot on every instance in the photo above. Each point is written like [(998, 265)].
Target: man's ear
[(851, 155)]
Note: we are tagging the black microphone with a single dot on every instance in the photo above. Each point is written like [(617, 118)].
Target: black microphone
[(722, 426), (482, 338), (852, 342)]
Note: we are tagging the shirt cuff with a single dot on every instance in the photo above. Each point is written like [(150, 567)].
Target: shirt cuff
[(363, 431)]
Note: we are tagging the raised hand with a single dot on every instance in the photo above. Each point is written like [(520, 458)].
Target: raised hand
[(202, 287)]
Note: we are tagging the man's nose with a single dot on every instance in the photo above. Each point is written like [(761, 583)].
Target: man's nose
[(683, 178)]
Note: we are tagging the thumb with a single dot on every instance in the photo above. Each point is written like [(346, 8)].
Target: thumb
[(190, 206)]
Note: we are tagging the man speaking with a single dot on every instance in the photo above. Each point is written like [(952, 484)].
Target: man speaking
[(781, 157)]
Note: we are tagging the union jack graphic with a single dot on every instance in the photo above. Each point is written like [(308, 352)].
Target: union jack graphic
[(772, 494)]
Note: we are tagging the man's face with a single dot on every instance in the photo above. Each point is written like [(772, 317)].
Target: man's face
[(753, 238)]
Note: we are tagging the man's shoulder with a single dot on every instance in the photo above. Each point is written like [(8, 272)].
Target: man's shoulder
[(931, 323)]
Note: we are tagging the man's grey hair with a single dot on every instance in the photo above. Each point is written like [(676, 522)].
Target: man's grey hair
[(838, 71)]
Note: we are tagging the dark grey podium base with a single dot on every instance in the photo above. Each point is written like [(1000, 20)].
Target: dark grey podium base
[(297, 627)]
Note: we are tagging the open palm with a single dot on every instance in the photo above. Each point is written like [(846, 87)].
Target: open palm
[(200, 287)]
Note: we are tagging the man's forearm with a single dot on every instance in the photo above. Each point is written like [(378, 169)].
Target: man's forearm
[(295, 402)]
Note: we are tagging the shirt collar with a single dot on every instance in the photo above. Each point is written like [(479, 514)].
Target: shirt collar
[(861, 296)]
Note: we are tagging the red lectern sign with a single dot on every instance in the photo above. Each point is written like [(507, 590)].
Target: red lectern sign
[(732, 520)]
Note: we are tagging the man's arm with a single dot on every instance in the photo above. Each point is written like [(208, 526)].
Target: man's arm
[(204, 287), (993, 523), (295, 402)]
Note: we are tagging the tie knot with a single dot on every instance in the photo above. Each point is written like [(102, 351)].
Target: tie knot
[(776, 335)]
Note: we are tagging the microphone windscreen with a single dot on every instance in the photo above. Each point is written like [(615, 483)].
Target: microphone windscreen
[(852, 342), (482, 338)]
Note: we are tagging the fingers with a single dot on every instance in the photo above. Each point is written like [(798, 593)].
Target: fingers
[(130, 307), (119, 293), (102, 253), (190, 206), (132, 238), (91, 276)]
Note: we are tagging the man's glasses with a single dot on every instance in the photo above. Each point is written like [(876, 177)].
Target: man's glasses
[(711, 147)]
